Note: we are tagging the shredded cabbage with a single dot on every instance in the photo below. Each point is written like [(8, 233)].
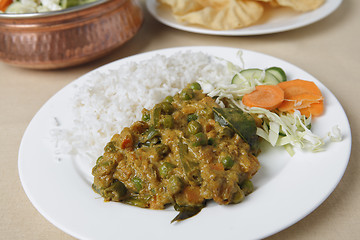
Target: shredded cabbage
[(281, 129)]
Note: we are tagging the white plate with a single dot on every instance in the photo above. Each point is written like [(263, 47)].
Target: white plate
[(276, 20), (287, 189)]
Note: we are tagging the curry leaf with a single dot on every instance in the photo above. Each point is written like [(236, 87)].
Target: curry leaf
[(242, 123)]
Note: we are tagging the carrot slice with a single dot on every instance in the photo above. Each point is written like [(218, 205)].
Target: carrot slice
[(4, 4), (217, 167), (297, 87), (302, 95), (315, 109), (299, 101), (264, 96), (192, 194)]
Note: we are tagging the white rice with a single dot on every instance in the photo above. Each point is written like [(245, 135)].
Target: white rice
[(110, 101)]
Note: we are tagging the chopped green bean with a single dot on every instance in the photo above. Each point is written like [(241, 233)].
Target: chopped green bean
[(110, 147), (167, 121), (116, 192), (165, 169), (162, 150), (99, 159), (151, 133), (137, 183), (145, 117), (200, 139), (194, 127), (175, 185)]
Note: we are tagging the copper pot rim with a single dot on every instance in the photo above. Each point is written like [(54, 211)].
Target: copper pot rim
[(15, 16)]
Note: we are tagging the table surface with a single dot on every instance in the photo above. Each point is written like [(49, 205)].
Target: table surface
[(328, 49)]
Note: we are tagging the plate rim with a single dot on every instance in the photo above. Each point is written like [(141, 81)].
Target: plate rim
[(151, 6)]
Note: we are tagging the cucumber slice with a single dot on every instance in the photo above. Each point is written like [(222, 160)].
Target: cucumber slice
[(279, 73), (256, 73)]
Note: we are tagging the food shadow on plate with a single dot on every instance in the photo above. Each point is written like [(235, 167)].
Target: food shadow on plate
[(272, 162)]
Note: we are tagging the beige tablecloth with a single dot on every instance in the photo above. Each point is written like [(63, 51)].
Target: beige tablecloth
[(328, 49)]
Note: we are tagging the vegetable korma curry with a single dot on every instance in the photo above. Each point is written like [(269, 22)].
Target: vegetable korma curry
[(184, 151)]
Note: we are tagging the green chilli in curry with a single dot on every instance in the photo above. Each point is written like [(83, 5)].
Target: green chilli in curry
[(185, 151)]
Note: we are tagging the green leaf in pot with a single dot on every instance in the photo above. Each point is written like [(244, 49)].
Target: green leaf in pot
[(242, 123), (72, 3)]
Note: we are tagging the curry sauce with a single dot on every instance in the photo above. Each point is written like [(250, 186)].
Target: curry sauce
[(180, 154)]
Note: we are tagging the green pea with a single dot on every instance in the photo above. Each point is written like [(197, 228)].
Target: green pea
[(247, 187), (187, 94), (227, 162), (165, 169), (238, 196), (169, 99), (137, 183), (195, 86), (200, 139), (166, 107), (194, 127), (192, 117)]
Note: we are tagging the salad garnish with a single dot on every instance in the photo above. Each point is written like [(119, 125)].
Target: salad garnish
[(34, 6), (286, 113)]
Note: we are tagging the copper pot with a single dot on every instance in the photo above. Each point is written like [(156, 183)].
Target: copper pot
[(69, 37)]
